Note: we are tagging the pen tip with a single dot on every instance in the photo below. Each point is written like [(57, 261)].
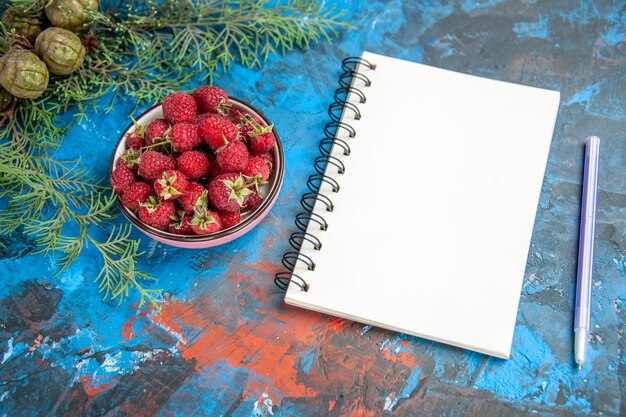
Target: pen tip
[(580, 366)]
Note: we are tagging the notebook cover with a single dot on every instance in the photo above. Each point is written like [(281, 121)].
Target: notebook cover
[(431, 227)]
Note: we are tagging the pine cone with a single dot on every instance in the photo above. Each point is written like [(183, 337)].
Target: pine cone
[(70, 14), (61, 50), (23, 74), (25, 25)]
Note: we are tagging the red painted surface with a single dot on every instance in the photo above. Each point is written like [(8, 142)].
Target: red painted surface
[(91, 387)]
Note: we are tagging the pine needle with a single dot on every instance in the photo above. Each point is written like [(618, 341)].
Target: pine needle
[(146, 49)]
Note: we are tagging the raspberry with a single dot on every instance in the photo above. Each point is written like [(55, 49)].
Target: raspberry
[(199, 118), (156, 213), (257, 169), (171, 162), (156, 130), (268, 157), (233, 157), (212, 100), (229, 218), (193, 164), (134, 141), (245, 130), (136, 194), (236, 117), (130, 158), (152, 164), (263, 142), (122, 178), (215, 169), (179, 107), (262, 138), (252, 200), (227, 192), (184, 137), (180, 224), (171, 185), (195, 196), (120, 161), (247, 124), (206, 222), (217, 131)]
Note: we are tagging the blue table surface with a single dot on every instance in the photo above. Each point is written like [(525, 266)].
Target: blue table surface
[(225, 343)]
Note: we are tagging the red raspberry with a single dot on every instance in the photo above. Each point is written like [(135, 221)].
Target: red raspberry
[(171, 185), (156, 213), (181, 224), (263, 142), (199, 118), (157, 129), (215, 169), (245, 132), (206, 222), (193, 164), (227, 192), (233, 157), (195, 196), (136, 194), (268, 157), (262, 138), (179, 107), (229, 218), (134, 141), (257, 169), (212, 100), (248, 123), (120, 161), (152, 164), (217, 131), (252, 200), (236, 117), (122, 178), (184, 137), (130, 158)]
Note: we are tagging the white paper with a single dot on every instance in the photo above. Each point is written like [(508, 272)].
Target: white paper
[(433, 221)]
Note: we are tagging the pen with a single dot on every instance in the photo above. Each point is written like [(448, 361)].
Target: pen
[(585, 249)]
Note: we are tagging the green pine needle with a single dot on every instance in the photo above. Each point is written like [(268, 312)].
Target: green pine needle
[(141, 50)]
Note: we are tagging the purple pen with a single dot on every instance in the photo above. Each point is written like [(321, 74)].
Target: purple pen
[(585, 248)]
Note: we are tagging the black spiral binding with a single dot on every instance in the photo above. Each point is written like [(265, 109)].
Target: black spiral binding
[(315, 181)]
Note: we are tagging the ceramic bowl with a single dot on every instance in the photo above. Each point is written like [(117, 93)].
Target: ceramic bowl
[(269, 190)]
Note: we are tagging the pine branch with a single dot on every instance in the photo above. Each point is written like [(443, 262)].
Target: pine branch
[(119, 275), (146, 49), (48, 198), (30, 7), (209, 33)]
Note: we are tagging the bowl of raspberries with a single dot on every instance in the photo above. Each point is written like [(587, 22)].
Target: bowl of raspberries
[(198, 170)]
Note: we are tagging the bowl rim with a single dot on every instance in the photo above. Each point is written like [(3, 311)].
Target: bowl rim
[(251, 219)]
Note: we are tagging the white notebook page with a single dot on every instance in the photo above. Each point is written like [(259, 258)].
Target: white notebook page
[(431, 227)]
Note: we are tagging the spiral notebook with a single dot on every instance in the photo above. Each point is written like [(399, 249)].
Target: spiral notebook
[(422, 203)]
